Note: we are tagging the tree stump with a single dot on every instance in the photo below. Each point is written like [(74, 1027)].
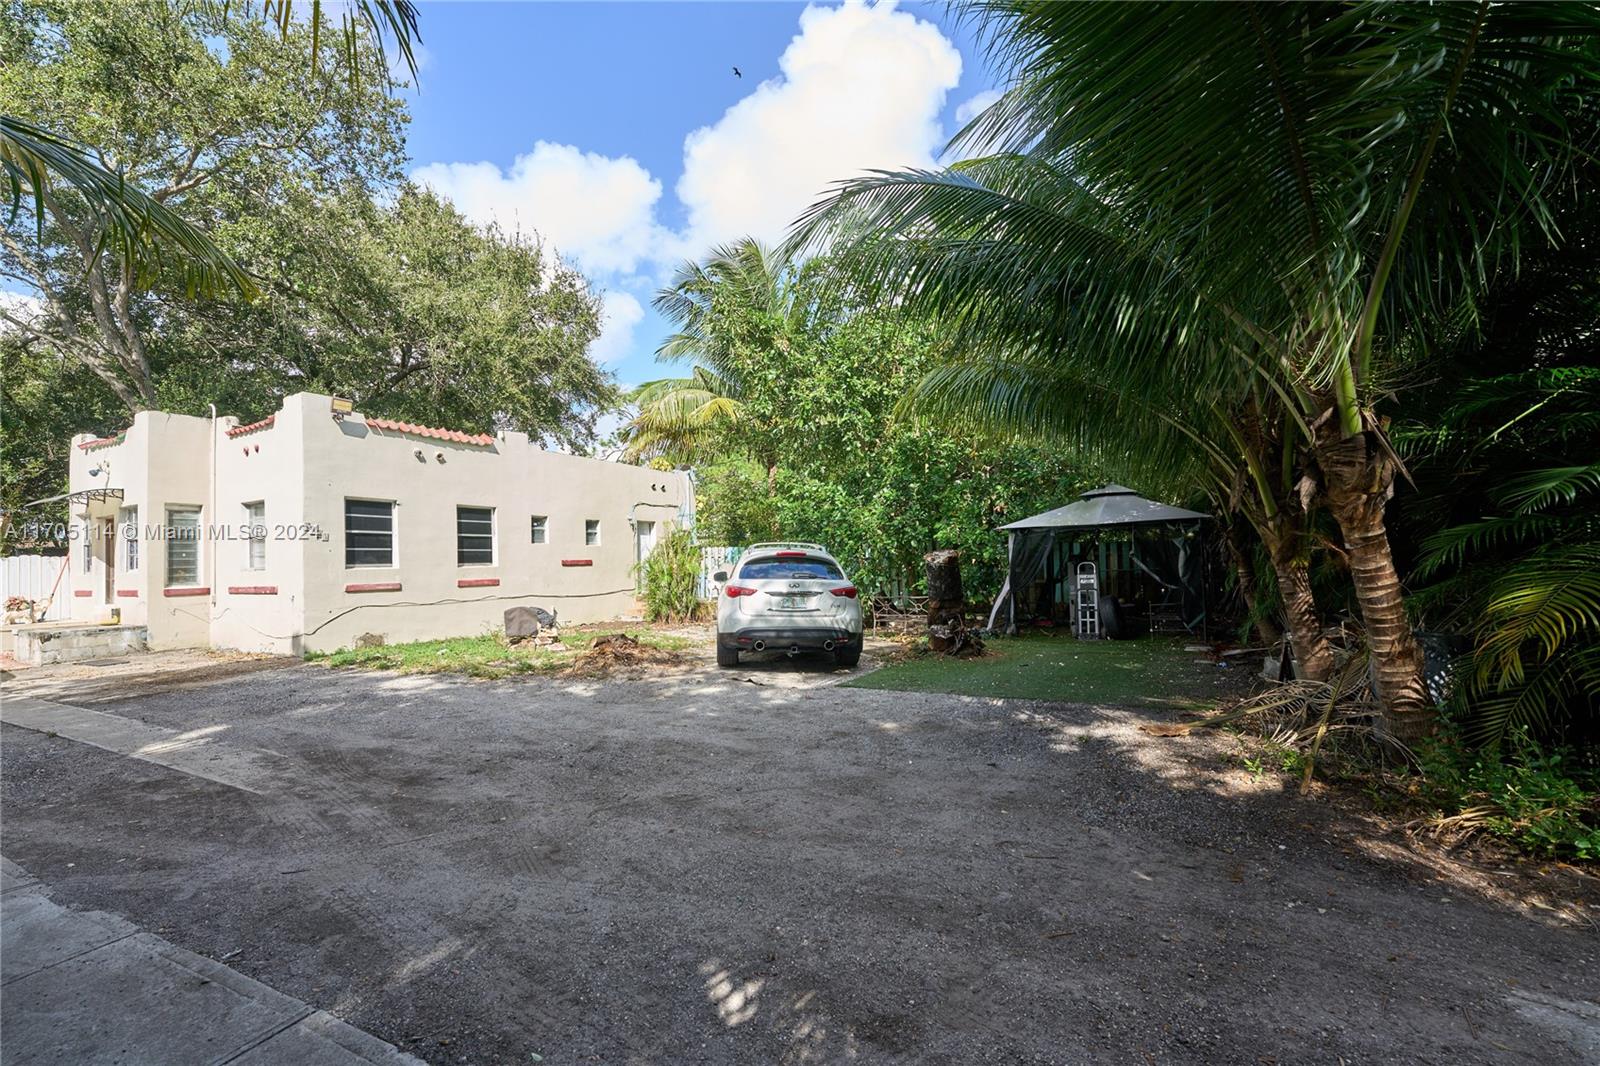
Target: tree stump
[(947, 623)]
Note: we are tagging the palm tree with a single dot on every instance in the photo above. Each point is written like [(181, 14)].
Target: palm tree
[(135, 227), (1237, 201), (743, 300), (676, 418)]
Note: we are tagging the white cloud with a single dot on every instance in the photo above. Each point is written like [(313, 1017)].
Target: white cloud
[(970, 109), (18, 307), (861, 88), (595, 210), (620, 314)]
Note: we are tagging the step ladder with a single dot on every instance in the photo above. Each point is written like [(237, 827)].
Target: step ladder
[(1088, 585)]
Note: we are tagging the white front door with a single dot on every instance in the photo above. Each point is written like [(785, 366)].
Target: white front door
[(644, 538)]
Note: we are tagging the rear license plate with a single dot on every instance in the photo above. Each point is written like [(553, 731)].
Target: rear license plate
[(791, 603)]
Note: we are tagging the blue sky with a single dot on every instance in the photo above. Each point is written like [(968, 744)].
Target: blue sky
[(619, 132)]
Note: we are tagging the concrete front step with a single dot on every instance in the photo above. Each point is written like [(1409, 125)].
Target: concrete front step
[(41, 645)]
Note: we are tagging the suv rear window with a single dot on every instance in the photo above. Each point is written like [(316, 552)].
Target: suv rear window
[(773, 569)]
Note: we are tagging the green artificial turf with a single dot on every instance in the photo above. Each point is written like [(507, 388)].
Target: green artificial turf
[(1149, 672), (485, 656)]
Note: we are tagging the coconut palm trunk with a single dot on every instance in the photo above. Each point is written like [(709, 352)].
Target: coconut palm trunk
[(1284, 537), (1357, 481), (1244, 572)]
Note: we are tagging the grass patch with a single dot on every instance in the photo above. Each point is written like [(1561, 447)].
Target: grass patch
[(1156, 672), (486, 656)]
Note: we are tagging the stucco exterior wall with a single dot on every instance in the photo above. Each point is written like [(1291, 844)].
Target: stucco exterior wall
[(162, 461), (515, 478), (261, 609), (302, 467)]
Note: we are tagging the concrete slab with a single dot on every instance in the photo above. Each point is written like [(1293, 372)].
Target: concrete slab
[(140, 999), (34, 936), (88, 988), (199, 752), (322, 1039), (13, 876)]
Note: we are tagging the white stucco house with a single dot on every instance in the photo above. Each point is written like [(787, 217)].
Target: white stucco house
[(312, 528)]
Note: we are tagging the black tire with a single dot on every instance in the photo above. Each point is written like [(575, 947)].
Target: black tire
[(847, 656), (727, 656), (1111, 626)]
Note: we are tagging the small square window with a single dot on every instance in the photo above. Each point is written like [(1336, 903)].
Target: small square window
[(591, 531), (255, 522), (539, 528), (474, 536), (368, 533)]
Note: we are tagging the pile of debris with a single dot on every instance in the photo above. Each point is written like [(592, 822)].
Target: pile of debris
[(616, 651), (534, 626)]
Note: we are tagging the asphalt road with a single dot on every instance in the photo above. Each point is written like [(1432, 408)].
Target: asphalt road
[(758, 866)]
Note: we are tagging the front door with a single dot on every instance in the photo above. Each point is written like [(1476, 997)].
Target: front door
[(108, 547), (644, 542)]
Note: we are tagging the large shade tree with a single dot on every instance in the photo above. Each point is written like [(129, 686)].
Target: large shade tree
[(139, 229), (212, 117), (1243, 203)]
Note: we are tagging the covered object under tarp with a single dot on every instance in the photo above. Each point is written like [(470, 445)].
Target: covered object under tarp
[(1149, 555)]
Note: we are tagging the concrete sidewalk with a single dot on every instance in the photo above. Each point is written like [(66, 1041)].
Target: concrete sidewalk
[(87, 987)]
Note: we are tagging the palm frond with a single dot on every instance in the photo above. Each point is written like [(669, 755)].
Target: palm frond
[(135, 228), (1548, 692), (387, 23), (1539, 490), (1450, 547), (1534, 607)]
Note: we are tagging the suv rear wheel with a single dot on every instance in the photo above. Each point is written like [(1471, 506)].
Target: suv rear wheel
[(847, 656), (727, 656)]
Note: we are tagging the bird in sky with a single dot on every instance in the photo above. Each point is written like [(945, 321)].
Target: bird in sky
[(737, 73)]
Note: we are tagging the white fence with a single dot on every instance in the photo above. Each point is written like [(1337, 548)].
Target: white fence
[(33, 576), (711, 560)]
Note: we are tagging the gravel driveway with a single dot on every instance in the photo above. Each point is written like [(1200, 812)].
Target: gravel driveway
[(762, 867)]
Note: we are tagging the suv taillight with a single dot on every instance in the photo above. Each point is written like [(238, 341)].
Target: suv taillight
[(848, 591), (735, 591)]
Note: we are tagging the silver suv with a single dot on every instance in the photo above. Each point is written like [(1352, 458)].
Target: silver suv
[(789, 597)]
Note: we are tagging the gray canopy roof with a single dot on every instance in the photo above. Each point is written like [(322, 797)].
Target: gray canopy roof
[(1113, 505)]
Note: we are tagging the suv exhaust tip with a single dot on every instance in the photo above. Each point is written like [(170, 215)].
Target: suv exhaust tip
[(759, 645), (827, 645)]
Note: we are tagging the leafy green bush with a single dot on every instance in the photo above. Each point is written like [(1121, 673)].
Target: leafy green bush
[(1542, 802), (669, 576)]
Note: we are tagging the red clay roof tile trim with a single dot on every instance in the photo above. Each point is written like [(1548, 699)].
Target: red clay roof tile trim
[(104, 442), (128, 592), (374, 586), (577, 562), (252, 590), (265, 423), (480, 439), (477, 583), (81, 593), (202, 591)]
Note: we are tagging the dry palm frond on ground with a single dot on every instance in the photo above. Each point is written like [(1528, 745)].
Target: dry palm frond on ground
[(1304, 715)]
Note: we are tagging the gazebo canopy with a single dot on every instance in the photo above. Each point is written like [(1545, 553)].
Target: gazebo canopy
[(1113, 505)]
